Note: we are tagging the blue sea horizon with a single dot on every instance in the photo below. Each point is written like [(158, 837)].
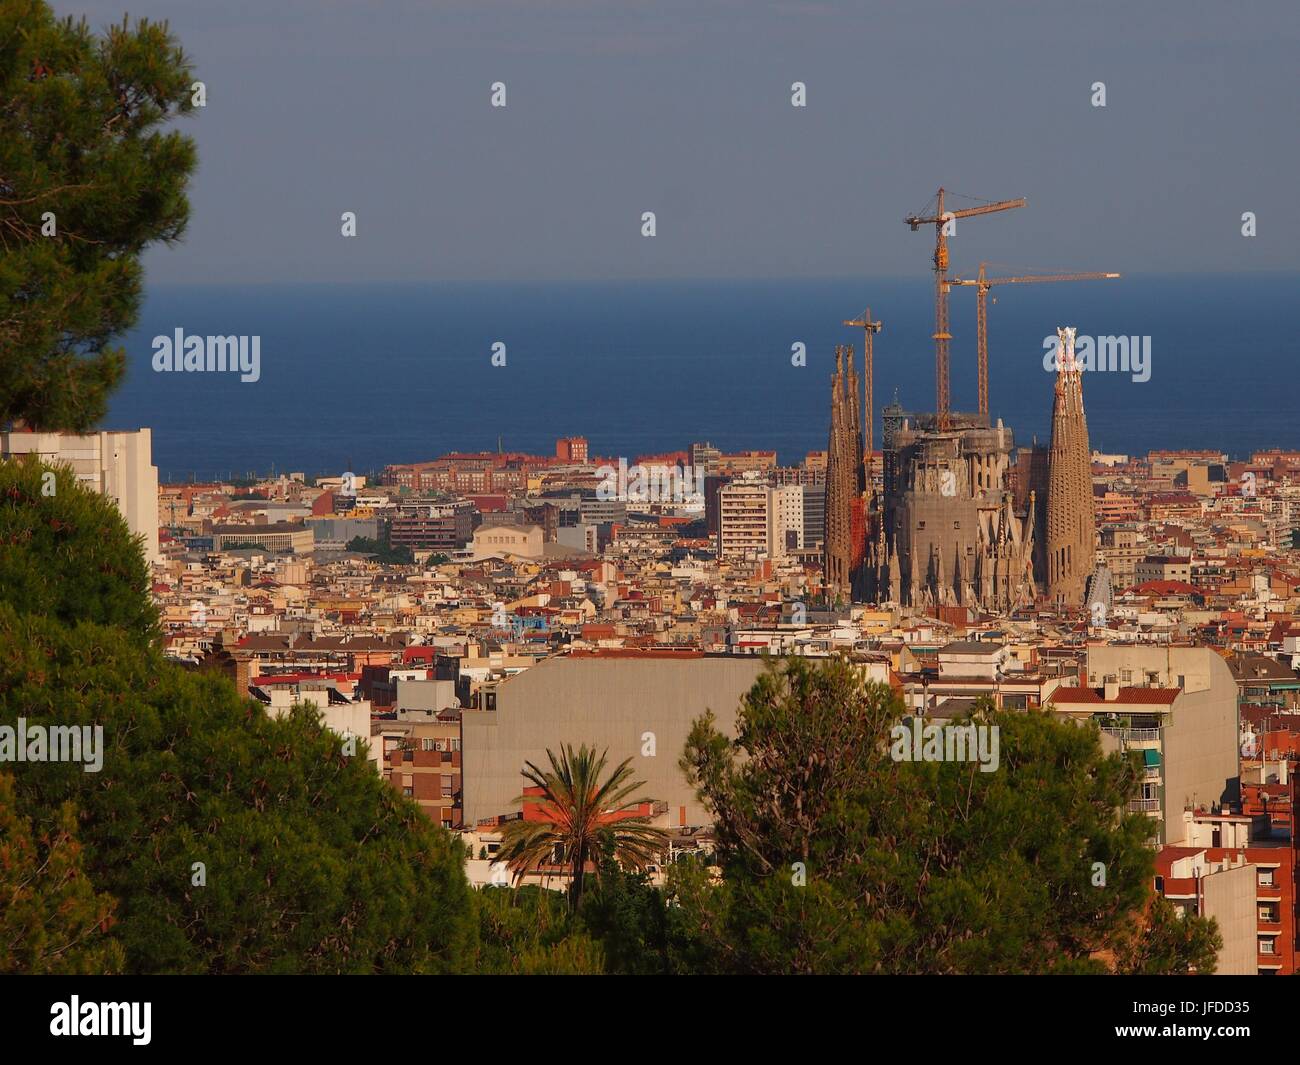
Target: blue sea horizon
[(358, 376)]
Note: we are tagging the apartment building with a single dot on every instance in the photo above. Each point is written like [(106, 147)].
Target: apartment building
[(115, 464), (1177, 707), (421, 758), (785, 520), (742, 462), (744, 519), (814, 515), (1235, 869), (962, 671), (427, 525), (1163, 568), (571, 449)]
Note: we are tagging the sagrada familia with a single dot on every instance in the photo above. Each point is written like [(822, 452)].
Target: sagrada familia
[(963, 518)]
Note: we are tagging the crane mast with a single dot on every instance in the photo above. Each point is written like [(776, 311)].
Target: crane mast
[(869, 329), (982, 284), (941, 219)]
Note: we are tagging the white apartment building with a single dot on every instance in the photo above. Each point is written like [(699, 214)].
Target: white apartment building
[(756, 520), (116, 464), (785, 520), (1177, 706), (742, 518)]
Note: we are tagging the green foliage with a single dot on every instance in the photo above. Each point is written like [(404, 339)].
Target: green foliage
[(529, 931), (574, 823), (81, 138), (629, 918), (51, 919), (1168, 943), (910, 866), (390, 556), (313, 863), (70, 555)]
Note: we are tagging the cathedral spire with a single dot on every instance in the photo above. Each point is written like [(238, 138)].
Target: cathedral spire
[(1070, 534)]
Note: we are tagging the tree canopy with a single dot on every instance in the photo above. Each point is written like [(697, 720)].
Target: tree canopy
[(89, 177), (837, 858), (66, 553)]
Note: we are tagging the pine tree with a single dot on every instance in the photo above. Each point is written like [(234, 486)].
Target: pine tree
[(88, 179), (51, 919), (837, 858)]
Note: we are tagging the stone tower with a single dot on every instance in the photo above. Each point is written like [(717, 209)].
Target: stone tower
[(1070, 533), (950, 533), (845, 483)]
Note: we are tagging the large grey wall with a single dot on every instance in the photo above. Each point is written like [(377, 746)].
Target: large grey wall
[(1200, 739), (1230, 900), (603, 702)]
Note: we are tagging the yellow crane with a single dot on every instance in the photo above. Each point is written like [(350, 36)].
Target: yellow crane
[(941, 219), (982, 285), (869, 328)]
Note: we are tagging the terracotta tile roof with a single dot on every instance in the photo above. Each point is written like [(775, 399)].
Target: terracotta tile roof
[(1126, 697)]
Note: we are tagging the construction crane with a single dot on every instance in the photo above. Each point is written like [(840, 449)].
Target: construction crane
[(982, 285), (868, 327), (941, 220)]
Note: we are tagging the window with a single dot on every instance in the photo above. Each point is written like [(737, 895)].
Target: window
[(1266, 945), (1266, 878)]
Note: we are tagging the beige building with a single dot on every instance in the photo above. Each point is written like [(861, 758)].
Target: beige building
[(1163, 568), (499, 541), (756, 520), (1226, 883), (1122, 550), (280, 536), (1175, 705), (116, 464), (743, 518), (638, 705)]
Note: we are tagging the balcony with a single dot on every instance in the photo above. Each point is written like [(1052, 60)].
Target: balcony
[(1133, 735), (1144, 806)]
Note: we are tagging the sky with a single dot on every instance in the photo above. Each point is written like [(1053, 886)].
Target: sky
[(683, 108)]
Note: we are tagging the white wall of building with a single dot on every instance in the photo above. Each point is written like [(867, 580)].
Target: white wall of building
[(116, 464)]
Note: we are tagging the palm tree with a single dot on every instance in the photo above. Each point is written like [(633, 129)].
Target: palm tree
[(583, 819)]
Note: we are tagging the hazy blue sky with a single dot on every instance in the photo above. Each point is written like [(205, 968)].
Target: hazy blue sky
[(682, 107)]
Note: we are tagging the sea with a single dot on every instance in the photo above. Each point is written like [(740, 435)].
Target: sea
[(353, 377)]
